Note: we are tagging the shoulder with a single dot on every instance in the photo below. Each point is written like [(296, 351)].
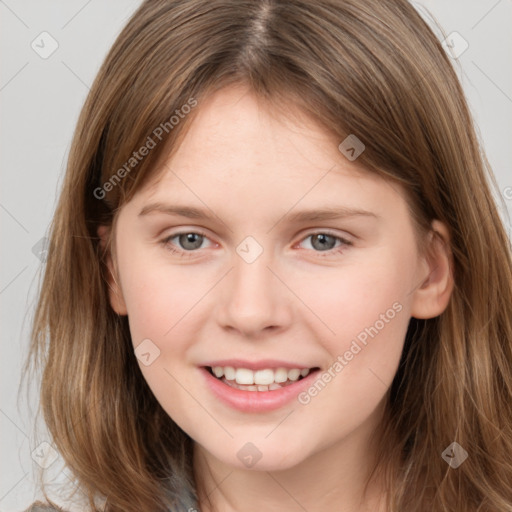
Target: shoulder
[(38, 506)]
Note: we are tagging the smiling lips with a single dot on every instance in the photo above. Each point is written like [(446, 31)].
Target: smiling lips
[(256, 386), (266, 387)]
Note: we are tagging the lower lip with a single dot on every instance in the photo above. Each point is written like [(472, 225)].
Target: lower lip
[(256, 401)]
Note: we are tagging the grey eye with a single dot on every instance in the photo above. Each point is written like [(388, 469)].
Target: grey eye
[(190, 241), (323, 242)]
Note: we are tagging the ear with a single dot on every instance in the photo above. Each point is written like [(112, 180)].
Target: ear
[(115, 291), (433, 295)]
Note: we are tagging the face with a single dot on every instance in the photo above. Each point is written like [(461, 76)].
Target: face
[(229, 260)]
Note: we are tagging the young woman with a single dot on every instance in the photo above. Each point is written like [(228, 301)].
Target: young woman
[(277, 278)]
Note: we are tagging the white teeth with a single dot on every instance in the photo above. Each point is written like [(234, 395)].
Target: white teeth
[(229, 372), (218, 371), (259, 378), (264, 377), (244, 376), (281, 375), (293, 374)]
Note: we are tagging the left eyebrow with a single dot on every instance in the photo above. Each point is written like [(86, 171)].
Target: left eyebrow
[(312, 215)]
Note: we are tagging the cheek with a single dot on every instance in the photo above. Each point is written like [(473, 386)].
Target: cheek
[(162, 303), (367, 313), (158, 296), (363, 300), (364, 319)]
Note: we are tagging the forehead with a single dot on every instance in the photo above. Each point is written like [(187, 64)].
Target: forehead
[(237, 150), (234, 126)]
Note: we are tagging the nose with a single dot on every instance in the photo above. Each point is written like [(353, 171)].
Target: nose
[(254, 300)]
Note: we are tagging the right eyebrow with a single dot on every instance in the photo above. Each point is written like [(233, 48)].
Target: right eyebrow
[(182, 211)]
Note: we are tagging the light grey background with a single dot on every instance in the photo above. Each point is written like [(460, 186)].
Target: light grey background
[(41, 99)]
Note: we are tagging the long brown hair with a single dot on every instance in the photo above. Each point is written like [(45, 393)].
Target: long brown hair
[(371, 68)]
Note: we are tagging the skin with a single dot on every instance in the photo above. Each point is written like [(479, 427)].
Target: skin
[(251, 169)]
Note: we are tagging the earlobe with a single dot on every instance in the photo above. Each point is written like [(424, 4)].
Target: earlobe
[(432, 296), (115, 291)]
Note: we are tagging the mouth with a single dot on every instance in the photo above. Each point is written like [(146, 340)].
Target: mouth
[(260, 381)]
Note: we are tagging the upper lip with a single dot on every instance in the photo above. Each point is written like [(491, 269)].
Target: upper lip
[(257, 365)]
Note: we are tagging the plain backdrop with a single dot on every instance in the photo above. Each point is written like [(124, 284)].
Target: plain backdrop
[(41, 97)]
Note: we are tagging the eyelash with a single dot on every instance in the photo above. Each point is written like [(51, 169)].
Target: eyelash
[(344, 243)]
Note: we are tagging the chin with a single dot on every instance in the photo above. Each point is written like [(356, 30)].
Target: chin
[(261, 456)]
